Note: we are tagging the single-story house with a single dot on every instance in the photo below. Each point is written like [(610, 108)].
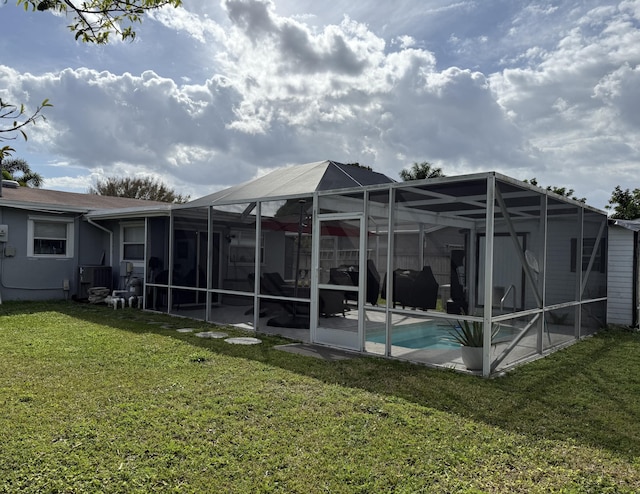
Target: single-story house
[(341, 256), (50, 249)]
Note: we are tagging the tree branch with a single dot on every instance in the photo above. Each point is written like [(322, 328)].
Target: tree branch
[(94, 20)]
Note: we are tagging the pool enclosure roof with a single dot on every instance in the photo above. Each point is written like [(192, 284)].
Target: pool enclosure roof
[(298, 180), (462, 197), (457, 197)]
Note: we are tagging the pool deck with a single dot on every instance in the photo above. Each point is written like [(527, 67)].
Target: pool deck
[(449, 358)]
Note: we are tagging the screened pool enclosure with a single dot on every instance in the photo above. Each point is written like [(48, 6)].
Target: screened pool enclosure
[(336, 255)]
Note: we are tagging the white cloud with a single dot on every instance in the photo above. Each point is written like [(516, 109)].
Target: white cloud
[(580, 104), (559, 103), (200, 27), (405, 42)]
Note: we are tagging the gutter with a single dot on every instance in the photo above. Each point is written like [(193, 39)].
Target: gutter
[(91, 222), (41, 207), (137, 212)]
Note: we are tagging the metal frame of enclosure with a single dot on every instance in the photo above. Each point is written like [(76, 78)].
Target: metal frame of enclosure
[(389, 269)]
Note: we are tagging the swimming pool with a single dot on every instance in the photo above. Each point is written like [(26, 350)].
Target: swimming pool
[(433, 335)]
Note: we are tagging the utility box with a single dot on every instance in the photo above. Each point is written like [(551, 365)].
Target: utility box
[(4, 233)]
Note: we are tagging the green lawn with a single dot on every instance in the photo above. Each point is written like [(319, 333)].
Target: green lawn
[(97, 400)]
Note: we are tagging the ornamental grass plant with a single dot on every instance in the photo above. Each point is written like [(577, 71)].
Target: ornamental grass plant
[(470, 333)]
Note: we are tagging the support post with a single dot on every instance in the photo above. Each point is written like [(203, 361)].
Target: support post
[(488, 277)]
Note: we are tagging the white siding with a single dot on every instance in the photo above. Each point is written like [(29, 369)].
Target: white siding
[(620, 277)]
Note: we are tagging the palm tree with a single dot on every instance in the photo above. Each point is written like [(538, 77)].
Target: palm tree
[(25, 176), (421, 170)]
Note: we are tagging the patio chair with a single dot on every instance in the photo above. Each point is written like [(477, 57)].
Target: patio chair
[(457, 303), (373, 283), (348, 276), (415, 289), (273, 284), (331, 302)]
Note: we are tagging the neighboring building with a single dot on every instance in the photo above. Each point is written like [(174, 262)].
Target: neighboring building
[(623, 300), (336, 255)]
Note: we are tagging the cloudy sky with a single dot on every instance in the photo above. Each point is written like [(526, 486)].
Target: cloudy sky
[(219, 92)]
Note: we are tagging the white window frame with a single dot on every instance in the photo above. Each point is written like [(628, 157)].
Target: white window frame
[(132, 224), (47, 219)]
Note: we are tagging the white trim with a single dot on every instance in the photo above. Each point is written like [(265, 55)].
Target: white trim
[(69, 251), (133, 224)]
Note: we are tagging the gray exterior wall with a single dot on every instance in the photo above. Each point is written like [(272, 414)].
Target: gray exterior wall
[(24, 277)]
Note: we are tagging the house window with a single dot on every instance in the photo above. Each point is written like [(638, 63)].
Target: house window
[(587, 249), (132, 248), (49, 237)]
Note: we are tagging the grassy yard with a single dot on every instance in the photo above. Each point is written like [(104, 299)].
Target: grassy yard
[(97, 400)]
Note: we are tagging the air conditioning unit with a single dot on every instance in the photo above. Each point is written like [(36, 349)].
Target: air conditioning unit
[(93, 276)]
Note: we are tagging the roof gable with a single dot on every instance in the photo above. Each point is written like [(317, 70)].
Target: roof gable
[(296, 180)]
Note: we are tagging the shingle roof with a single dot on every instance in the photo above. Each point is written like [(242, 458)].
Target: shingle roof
[(633, 225), (72, 201)]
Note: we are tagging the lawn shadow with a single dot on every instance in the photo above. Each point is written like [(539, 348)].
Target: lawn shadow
[(586, 393)]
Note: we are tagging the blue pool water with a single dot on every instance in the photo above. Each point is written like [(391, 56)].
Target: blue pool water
[(422, 335), (430, 334)]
